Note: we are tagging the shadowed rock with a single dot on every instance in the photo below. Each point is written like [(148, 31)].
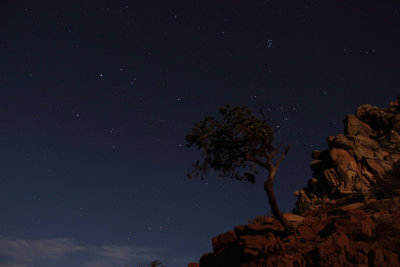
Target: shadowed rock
[(349, 213), (339, 234), (356, 162)]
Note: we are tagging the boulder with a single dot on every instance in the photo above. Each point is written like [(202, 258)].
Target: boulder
[(343, 234), (376, 118), (348, 213), (357, 162), (223, 240), (353, 126)]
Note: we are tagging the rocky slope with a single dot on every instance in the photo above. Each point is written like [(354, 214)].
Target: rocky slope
[(358, 161), (349, 213)]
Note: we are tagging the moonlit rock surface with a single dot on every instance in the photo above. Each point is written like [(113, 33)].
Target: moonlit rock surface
[(347, 215)]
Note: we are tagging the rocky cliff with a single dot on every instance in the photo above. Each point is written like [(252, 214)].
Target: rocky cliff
[(348, 215), (363, 160)]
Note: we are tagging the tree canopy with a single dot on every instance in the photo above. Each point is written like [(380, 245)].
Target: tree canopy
[(235, 145)]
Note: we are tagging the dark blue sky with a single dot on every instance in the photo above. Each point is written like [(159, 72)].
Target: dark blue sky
[(96, 98)]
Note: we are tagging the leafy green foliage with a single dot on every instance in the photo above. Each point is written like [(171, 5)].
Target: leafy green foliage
[(230, 145)]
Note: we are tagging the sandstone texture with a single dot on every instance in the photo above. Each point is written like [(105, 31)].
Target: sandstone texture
[(349, 213), (363, 160), (346, 233)]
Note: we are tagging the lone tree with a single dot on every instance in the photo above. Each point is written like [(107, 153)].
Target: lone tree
[(235, 146)]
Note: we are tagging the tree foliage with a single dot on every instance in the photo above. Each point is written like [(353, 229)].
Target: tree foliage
[(230, 145), (235, 145)]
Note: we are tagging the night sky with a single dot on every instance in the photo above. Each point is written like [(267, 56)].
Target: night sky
[(96, 98)]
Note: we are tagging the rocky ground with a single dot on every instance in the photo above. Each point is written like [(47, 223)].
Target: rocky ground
[(349, 213), (344, 233)]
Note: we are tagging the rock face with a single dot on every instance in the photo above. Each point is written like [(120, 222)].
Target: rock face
[(347, 233), (349, 213), (358, 161)]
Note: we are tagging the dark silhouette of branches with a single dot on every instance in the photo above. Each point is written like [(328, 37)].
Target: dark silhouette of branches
[(236, 145)]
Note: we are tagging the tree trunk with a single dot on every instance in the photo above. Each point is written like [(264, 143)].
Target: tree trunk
[(272, 201)]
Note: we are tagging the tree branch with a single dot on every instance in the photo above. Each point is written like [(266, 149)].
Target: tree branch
[(283, 155)]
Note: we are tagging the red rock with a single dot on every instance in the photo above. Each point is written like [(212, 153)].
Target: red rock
[(306, 232), (324, 217), (379, 167), (352, 206), (341, 240), (267, 220), (382, 257), (396, 122), (391, 258), (353, 126), (317, 165), (340, 141), (193, 264), (207, 259), (270, 242), (375, 117), (317, 226), (321, 155), (257, 228), (358, 158), (332, 178), (254, 242), (356, 255), (308, 220), (346, 166), (367, 227), (293, 218), (251, 252), (345, 221), (223, 240)]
